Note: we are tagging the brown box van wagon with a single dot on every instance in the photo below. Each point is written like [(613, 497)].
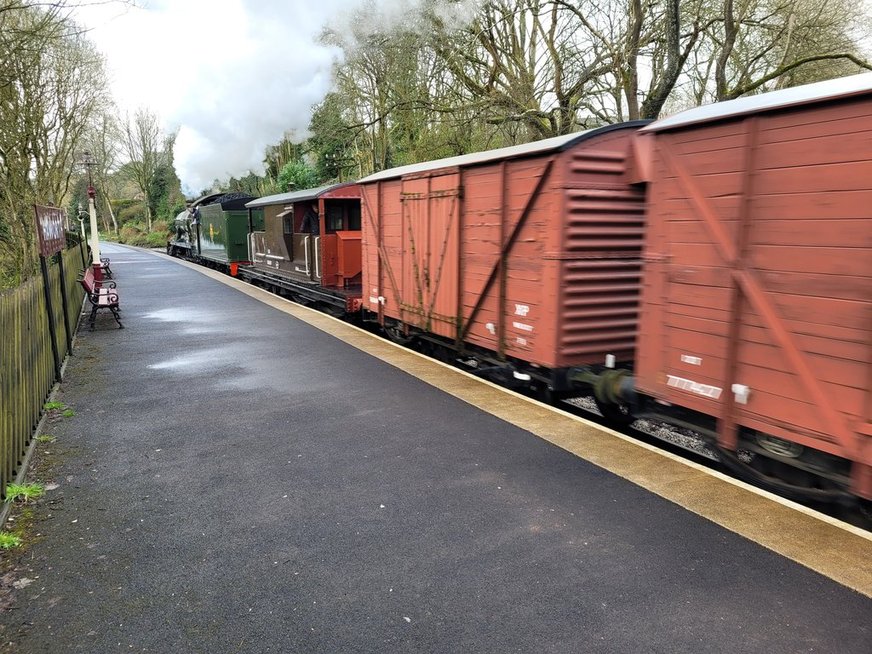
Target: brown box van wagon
[(531, 252), (757, 304), (310, 244)]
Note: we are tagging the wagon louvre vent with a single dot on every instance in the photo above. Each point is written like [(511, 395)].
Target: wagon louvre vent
[(607, 162), (600, 307), (604, 219)]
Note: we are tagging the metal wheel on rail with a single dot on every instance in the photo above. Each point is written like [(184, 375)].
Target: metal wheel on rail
[(617, 414)]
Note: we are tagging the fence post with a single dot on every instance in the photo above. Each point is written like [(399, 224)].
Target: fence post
[(67, 331), (46, 287)]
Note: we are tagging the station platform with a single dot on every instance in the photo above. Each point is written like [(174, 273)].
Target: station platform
[(244, 475)]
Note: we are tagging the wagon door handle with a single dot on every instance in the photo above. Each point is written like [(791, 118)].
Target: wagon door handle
[(317, 259), (306, 250)]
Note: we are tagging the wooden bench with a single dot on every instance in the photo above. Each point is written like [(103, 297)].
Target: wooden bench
[(101, 295), (104, 267)]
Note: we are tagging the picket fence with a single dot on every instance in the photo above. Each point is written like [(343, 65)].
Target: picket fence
[(27, 367)]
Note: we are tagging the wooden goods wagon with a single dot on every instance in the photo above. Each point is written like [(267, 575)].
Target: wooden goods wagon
[(530, 253), (757, 301)]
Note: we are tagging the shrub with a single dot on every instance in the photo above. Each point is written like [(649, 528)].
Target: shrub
[(135, 212), (157, 239), (160, 226), (140, 240), (128, 234)]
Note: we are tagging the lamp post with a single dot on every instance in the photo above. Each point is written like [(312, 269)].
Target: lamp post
[(80, 215), (88, 162)]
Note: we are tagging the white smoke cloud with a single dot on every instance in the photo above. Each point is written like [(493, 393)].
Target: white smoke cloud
[(233, 76)]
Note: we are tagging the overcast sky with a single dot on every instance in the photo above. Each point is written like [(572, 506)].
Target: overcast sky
[(231, 75)]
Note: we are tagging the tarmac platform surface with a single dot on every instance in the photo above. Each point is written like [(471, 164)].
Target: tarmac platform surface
[(236, 480)]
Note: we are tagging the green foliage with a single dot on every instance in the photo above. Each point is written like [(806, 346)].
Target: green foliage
[(133, 234), (165, 193), (297, 175), (9, 540), (45, 438), (69, 413), (278, 155), (135, 212), (54, 406), (78, 196), (136, 233), (178, 205), (23, 492), (156, 239), (330, 141), (251, 184)]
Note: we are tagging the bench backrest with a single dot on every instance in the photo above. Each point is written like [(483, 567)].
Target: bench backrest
[(87, 280)]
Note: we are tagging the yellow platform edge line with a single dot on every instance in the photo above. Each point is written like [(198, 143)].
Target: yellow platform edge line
[(824, 544)]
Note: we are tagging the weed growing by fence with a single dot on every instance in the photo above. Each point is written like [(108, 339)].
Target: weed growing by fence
[(9, 540), (23, 492)]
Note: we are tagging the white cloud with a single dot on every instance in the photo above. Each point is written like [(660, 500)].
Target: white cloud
[(231, 75)]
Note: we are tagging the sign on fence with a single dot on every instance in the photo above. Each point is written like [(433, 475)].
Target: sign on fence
[(50, 229)]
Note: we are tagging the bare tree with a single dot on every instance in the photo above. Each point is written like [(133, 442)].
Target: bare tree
[(51, 84), (142, 142), (103, 141), (524, 61), (765, 44)]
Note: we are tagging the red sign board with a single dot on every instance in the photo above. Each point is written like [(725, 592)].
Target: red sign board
[(50, 223)]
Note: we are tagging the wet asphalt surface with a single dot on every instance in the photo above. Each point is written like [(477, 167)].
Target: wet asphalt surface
[(235, 480)]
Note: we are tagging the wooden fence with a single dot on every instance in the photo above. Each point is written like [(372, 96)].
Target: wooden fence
[(27, 370)]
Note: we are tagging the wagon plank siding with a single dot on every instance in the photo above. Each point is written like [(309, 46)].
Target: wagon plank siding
[(531, 252), (803, 341)]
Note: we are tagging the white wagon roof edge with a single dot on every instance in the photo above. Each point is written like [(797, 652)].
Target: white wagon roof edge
[(295, 196), (797, 95), (511, 152)]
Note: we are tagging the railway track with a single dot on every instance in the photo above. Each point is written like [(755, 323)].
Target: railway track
[(692, 446)]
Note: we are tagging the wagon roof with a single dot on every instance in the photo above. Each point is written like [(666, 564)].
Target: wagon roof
[(798, 95), (556, 143), (297, 196)]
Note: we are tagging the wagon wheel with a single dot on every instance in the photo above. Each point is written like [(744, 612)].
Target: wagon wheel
[(620, 415), (397, 335)]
